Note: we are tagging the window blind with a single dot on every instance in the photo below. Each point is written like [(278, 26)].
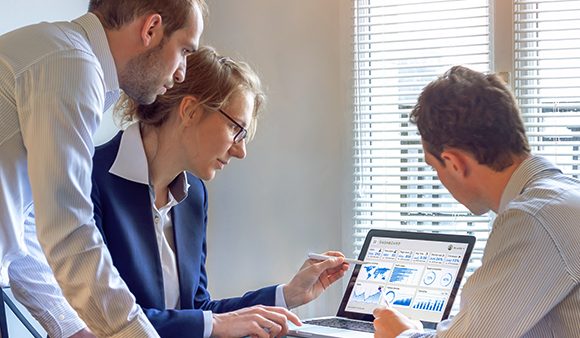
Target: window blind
[(399, 47), (547, 77)]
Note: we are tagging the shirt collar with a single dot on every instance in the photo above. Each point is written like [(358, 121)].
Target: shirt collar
[(530, 167), (131, 163), (100, 46)]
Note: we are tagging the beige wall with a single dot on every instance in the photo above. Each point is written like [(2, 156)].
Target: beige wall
[(291, 195)]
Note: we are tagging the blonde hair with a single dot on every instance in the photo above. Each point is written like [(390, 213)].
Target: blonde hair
[(211, 78)]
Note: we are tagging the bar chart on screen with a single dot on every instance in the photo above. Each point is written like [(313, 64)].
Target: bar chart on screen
[(406, 274), (428, 304)]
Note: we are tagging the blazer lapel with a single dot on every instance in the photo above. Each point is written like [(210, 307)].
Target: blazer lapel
[(189, 238)]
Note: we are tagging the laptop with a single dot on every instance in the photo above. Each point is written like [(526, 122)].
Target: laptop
[(416, 273)]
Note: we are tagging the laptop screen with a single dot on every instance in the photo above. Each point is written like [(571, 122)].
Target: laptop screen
[(417, 273)]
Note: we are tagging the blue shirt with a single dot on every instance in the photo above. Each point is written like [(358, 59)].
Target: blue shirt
[(56, 80)]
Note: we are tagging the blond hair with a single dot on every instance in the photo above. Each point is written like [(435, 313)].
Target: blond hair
[(211, 78)]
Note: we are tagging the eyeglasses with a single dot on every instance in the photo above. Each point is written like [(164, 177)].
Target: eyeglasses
[(242, 133)]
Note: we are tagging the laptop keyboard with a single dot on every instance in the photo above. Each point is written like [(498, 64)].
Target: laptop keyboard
[(343, 324)]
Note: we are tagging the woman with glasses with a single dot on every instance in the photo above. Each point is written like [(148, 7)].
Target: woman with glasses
[(151, 204)]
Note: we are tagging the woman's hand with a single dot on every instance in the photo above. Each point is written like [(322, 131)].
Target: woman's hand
[(313, 278)]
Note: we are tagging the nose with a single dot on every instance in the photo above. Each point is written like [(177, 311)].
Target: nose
[(238, 150), (179, 75)]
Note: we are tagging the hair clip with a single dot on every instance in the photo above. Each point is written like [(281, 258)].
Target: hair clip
[(224, 59)]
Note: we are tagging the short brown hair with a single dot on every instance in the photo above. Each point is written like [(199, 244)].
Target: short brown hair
[(174, 13), (474, 112), (209, 77)]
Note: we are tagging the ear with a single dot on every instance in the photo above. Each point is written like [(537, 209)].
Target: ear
[(152, 30), (457, 161), (189, 110)]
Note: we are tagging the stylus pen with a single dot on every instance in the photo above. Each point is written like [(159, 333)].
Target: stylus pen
[(348, 260)]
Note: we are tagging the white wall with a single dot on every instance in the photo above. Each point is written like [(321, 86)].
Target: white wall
[(17, 13), (291, 194)]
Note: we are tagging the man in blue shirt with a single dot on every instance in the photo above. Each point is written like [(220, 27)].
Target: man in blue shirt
[(56, 80), (528, 283)]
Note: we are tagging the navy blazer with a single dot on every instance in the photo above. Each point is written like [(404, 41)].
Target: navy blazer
[(123, 214)]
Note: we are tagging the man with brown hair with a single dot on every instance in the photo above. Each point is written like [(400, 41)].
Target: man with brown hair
[(528, 283), (56, 80)]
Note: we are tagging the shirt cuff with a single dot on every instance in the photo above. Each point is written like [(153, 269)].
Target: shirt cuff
[(280, 301), (62, 323), (411, 333), (207, 323), (139, 327)]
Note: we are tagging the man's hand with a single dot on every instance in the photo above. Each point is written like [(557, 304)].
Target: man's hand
[(390, 323), (84, 333), (256, 321), (313, 278)]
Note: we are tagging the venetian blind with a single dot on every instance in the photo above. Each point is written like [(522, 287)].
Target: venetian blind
[(399, 47), (547, 77)]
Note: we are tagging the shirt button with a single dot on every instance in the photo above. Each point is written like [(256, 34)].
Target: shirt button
[(156, 219), (61, 317)]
